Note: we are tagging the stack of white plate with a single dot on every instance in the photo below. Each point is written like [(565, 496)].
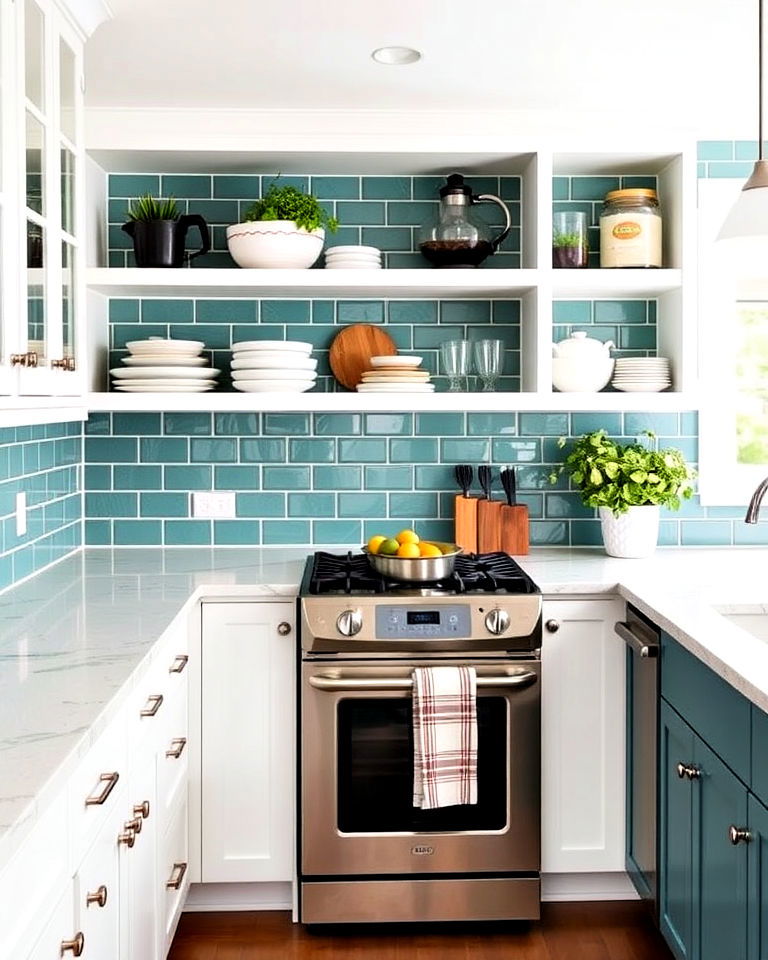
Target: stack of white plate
[(261, 366), (353, 258), (395, 374), (164, 366), (642, 374)]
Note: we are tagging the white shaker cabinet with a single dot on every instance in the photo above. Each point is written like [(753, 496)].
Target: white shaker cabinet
[(248, 741), (582, 737)]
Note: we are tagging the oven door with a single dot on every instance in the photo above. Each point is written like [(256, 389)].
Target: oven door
[(357, 813)]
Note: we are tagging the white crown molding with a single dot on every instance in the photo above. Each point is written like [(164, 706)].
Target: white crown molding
[(87, 14)]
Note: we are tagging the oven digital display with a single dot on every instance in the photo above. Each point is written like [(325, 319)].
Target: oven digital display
[(422, 616)]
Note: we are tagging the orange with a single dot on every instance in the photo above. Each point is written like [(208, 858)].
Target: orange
[(429, 550), (407, 536), (375, 542), (409, 550)]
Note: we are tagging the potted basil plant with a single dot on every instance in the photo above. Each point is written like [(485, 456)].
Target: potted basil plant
[(628, 483), (159, 232), (284, 229)]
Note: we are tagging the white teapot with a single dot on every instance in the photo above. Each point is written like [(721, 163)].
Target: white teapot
[(581, 364)]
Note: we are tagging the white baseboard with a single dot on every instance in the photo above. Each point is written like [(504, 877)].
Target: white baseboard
[(563, 887), (204, 897), (555, 887)]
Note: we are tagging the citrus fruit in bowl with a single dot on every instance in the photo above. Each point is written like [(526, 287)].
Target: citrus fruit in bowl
[(407, 557)]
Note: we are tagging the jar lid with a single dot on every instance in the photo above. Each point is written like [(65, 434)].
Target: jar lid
[(632, 193)]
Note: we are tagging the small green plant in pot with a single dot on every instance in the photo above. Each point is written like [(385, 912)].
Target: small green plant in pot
[(628, 483), (284, 229), (159, 232)]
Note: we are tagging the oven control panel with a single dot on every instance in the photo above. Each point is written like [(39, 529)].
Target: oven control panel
[(438, 622)]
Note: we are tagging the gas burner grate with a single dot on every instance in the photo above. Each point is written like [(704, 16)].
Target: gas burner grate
[(474, 573)]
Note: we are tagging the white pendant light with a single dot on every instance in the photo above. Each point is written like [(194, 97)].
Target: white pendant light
[(748, 220)]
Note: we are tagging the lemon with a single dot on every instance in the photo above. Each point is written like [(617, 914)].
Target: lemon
[(388, 547), (429, 550), (375, 542), (407, 536), (408, 550)]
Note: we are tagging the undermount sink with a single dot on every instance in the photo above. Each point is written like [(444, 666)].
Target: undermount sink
[(751, 617)]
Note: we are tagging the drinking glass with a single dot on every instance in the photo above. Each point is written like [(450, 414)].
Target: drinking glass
[(570, 239), (488, 360), (455, 362)]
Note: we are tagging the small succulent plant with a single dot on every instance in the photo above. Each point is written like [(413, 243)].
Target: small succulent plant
[(148, 208)]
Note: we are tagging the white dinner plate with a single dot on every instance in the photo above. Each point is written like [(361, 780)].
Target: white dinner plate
[(353, 266), (641, 387), (273, 375), (257, 345), (396, 361), (274, 386), (160, 381), (352, 249), (395, 387), (198, 388), (273, 361), (157, 345), (172, 360), (190, 373)]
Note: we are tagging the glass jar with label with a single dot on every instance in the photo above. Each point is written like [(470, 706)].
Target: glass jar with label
[(630, 229)]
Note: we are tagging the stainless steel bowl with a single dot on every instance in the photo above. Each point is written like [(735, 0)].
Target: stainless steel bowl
[(416, 569)]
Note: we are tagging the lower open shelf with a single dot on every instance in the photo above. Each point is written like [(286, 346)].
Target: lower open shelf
[(392, 402)]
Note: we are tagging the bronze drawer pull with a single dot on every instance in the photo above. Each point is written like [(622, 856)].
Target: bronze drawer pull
[(128, 838), (99, 897), (177, 875), (179, 663), (177, 748), (134, 825), (141, 809), (109, 781), (156, 701), (75, 945)]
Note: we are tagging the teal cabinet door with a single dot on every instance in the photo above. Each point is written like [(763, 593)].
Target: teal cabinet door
[(721, 930), (758, 881), (677, 889)]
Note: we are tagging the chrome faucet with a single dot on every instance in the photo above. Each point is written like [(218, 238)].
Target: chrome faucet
[(753, 510)]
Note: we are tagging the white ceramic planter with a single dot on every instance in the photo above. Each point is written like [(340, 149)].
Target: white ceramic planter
[(274, 244), (633, 534)]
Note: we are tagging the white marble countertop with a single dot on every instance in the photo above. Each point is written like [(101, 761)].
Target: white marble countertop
[(76, 637)]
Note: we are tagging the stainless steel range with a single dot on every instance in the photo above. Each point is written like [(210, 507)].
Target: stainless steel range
[(365, 853)]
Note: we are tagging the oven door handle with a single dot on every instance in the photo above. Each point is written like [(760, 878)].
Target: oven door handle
[(332, 684)]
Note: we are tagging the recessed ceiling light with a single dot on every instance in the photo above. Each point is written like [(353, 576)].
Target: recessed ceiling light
[(396, 56)]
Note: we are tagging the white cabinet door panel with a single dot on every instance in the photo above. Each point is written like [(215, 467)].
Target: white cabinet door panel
[(582, 737), (248, 744)]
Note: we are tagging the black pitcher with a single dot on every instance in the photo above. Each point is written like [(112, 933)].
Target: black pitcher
[(161, 243)]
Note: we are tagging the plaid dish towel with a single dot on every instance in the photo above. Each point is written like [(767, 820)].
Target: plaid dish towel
[(444, 736)]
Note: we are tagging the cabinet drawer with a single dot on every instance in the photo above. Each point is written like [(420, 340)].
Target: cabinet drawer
[(760, 754), (97, 887), (59, 929), (92, 787), (173, 759), (173, 873), (720, 715)]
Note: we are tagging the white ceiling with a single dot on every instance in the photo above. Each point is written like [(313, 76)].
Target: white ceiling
[(686, 62)]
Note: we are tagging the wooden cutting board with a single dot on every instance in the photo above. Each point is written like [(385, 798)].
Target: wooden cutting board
[(352, 349)]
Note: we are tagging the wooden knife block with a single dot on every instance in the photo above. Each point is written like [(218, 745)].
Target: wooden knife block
[(515, 529), (488, 526), (465, 523)]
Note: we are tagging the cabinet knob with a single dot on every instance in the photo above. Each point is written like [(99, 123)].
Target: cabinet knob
[(739, 835), (141, 809), (65, 363), (134, 825), (128, 838), (73, 946), (552, 625), (688, 770), (99, 897), (24, 360), (284, 628)]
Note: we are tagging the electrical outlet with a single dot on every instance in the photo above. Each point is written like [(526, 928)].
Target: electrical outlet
[(214, 506), (21, 514)]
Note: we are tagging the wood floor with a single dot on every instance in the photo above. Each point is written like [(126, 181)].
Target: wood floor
[(567, 931)]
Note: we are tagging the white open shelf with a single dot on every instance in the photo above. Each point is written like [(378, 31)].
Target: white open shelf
[(391, 402), (620, 284)]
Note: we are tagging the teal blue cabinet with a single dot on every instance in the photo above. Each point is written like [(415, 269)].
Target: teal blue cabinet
[(757, 818), (677, 821)]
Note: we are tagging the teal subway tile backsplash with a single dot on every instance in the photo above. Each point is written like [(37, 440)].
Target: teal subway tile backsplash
[(45, 463)]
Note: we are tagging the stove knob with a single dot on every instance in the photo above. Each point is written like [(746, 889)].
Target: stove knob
[(496, 621), (349, 623)]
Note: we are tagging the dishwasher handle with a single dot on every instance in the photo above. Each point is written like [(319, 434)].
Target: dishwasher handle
[(644, 646)]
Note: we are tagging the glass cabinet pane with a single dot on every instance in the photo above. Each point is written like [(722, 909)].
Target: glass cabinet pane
[(35, 159), (34, 36), (67, 191), (35, 289), (68, 298), (67, 90)]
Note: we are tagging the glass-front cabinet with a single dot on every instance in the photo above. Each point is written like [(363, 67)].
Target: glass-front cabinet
[(41, 201)]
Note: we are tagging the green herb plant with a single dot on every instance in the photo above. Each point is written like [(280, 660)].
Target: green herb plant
[(148, 208), (567, 239), (288, 203), (620, 476)]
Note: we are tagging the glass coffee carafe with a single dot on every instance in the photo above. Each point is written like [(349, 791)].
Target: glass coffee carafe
[(457, 238)]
